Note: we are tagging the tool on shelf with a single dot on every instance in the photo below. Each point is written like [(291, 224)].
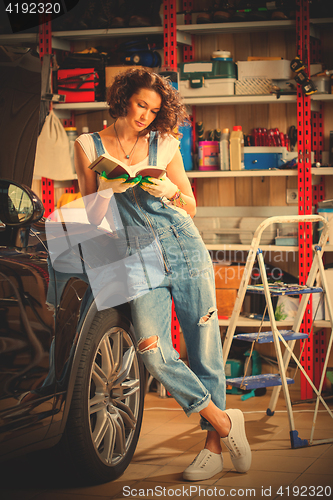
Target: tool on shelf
[(302, 77)]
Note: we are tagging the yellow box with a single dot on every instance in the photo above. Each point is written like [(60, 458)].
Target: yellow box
[(228, 276), (225, 300)]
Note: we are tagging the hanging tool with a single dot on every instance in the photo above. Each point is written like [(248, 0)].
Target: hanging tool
[(292, 134)]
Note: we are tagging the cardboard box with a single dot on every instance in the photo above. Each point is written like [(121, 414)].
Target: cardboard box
[(225, 300), (112, 71), (227, 282), (276, 70)]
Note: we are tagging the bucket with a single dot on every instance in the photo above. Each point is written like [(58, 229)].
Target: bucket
[(208, 155)]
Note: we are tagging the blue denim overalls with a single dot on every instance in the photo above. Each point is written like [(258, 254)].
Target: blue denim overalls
[(189, 281)]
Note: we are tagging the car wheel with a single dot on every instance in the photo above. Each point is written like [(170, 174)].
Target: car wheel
[(105, 417)]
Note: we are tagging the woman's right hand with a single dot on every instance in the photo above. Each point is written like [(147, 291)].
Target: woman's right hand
[(117, 185)]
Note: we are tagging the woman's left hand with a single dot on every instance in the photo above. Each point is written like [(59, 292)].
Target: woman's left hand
[(160, 187)]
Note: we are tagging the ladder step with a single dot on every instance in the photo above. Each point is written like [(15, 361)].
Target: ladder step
[(284, 289), (266, 337), (257, 381)]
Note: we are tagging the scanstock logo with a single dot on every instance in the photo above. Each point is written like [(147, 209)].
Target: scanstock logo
[(119, 264), (20, 16)]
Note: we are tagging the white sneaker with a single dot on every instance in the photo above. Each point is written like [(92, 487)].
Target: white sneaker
[(205, 465), (237, 443)]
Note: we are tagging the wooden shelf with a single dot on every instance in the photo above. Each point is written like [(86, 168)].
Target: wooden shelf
[(244, 27), (81, 106), (234, 247), (62, 39), (183, 32), (196, 174), (210, 28), (108, 33), (255, 323), (250, 99), (204, 101)]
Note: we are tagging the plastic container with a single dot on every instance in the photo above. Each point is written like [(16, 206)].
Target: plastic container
[(207, 78), (236, 148), (224, 150), (72, 136)]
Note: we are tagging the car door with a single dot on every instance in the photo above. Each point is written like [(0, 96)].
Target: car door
[(26, 339)]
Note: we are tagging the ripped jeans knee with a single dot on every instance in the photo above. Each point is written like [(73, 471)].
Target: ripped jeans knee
[(149, 346), (204, 320)]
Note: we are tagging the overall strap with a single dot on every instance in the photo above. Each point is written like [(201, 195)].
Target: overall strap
[(114, 211), (153, 149), (98, 143)]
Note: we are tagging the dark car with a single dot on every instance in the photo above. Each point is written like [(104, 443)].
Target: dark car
[(70, 374)]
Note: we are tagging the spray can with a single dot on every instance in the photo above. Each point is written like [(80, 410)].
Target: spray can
[(236, 148), (224, 150)]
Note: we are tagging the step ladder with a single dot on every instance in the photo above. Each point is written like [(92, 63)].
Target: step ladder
[(286, 337)]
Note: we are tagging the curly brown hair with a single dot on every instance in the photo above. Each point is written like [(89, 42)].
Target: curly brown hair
[(172, 113)]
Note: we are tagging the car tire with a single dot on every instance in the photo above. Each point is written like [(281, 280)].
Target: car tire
[(106, 410)]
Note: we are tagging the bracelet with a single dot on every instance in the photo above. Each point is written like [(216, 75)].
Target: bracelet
[(177, 199)]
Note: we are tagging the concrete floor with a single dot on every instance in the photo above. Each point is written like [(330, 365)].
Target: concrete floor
[(169, 441)]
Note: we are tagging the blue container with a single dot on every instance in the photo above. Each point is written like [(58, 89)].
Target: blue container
[(186, 130), (263, 161), (186, 146), (262, 158)]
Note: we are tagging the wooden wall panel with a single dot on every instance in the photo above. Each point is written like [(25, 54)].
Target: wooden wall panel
[(226, 116), (243, 191), (92, 120), (243, 46), (328, 123), (276, 44), (260, 191), (226, 41), (277, 117), (226, 191), (259, 44), (277, 191), (328, 187), (210, 192)]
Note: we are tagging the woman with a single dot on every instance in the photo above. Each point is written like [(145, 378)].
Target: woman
[(147, 109)]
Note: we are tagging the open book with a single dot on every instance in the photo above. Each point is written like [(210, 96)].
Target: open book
[(115, 168)]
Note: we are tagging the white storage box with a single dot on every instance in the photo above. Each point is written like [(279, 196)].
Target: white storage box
[(219, 87), (322, 83), (275, 70)]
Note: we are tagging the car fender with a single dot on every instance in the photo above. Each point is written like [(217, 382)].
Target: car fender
[(91, 309)]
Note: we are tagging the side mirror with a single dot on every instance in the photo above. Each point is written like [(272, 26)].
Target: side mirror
[(18, 204)]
